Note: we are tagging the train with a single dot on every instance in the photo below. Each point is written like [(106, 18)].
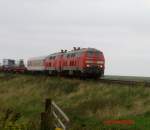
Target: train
[(14, 66), (79, 62)]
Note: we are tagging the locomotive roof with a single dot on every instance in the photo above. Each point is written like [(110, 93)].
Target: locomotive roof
[(55, 54), (74, 51), (82, 50), (69, 52)]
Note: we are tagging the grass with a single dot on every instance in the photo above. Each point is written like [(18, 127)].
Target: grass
[(87, 103)]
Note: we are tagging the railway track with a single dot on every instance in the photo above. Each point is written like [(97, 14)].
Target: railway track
[(126, 82), (133, 83)]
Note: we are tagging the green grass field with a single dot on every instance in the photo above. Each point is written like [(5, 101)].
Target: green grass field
[(87, 103)]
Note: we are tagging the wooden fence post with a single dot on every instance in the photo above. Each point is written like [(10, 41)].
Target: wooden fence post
[(46, 118), (48, 110), (43, 121), (48, 105)]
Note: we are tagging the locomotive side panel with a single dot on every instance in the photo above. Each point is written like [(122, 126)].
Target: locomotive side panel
[(54, 63)]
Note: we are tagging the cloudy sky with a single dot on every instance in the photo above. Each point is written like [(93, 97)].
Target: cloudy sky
[(120, 28)]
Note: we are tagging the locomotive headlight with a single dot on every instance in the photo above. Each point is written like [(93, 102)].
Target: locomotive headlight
[(101, 66), (87, 65)]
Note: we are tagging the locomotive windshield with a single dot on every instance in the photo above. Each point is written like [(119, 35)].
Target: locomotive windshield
[(90, 53), (98, 53), (93, 53)]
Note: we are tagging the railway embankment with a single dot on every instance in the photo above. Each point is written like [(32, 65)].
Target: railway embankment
[(86, 102)]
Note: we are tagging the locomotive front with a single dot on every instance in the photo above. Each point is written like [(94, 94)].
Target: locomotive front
[(94, 63)]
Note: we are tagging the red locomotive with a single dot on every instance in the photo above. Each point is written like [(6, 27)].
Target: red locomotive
[(85, 62)]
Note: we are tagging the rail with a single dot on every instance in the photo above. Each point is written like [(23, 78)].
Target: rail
[(126, 82)]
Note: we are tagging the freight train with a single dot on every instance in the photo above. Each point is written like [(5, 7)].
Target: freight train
[(80, 62), (10, 65)]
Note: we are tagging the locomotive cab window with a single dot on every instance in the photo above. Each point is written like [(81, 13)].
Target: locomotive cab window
[(68, 56), (54, 57), (78, 54), (90, 53), (73, 55), (93, 53), (98, 53)]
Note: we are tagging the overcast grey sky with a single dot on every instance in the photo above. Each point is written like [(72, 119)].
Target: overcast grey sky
[(120, 28)]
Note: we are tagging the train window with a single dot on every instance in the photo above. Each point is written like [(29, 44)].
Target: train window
[(78, 54), (98, 53), (72, 55), (29, 63), (68, 55), (90, 53), (65, 56)]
